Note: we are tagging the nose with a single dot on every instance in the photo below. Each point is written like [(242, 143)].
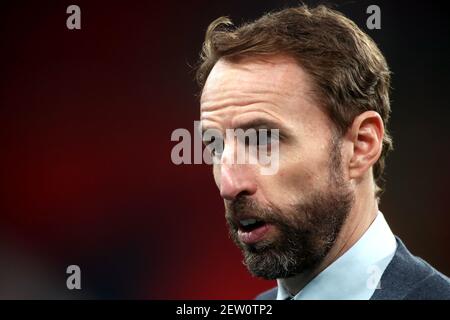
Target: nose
[(236, 180)]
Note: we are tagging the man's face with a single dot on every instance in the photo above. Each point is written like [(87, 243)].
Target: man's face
[(287, 222)]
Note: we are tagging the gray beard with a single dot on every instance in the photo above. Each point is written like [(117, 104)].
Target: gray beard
[(306, 233), (303, 241)]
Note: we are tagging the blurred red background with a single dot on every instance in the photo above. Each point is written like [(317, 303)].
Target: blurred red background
[(86, 174)]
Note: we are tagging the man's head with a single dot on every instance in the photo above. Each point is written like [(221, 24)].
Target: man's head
[(312, 74)]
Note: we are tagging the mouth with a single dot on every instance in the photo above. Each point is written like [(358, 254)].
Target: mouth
[(252, 230)]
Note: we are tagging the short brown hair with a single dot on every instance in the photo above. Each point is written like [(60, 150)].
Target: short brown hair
[(350, 73)]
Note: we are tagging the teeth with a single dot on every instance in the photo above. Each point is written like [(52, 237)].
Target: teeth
[(247, 222)]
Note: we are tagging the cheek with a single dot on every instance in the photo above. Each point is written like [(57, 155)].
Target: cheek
[(301, 175)]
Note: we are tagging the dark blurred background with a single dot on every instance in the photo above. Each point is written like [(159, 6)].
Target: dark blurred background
[(86, 118)]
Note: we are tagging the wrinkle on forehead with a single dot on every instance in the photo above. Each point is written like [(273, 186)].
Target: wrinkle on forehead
[(236, 114), (277, 88), (251, 79)]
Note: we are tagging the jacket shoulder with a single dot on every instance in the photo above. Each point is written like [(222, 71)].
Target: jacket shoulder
[(410, 277), (436, 286)]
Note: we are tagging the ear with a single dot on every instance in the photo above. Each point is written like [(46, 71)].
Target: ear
[(366, 133)]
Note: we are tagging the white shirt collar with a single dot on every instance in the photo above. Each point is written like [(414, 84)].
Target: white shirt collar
[(355, 275)]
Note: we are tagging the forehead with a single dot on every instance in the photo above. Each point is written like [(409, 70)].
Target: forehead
[(250, 78), (274, 87)]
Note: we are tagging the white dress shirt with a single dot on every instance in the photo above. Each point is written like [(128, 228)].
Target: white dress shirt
[(355, 275)]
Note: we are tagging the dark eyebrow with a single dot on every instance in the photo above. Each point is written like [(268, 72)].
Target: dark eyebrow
[(262, 123), (257, 123)]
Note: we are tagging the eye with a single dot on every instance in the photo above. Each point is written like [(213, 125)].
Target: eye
[(264, 137), (267, 137), (215, 145), (260, 137)]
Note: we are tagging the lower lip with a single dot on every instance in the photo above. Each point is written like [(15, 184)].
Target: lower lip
[(252, 237)]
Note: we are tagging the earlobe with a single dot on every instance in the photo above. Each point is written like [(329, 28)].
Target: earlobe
[(367, 133)]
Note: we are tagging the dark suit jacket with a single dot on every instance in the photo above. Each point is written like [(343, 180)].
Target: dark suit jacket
[(406, 278)]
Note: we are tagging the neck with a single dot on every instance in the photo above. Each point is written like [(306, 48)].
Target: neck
[(361, 216)]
